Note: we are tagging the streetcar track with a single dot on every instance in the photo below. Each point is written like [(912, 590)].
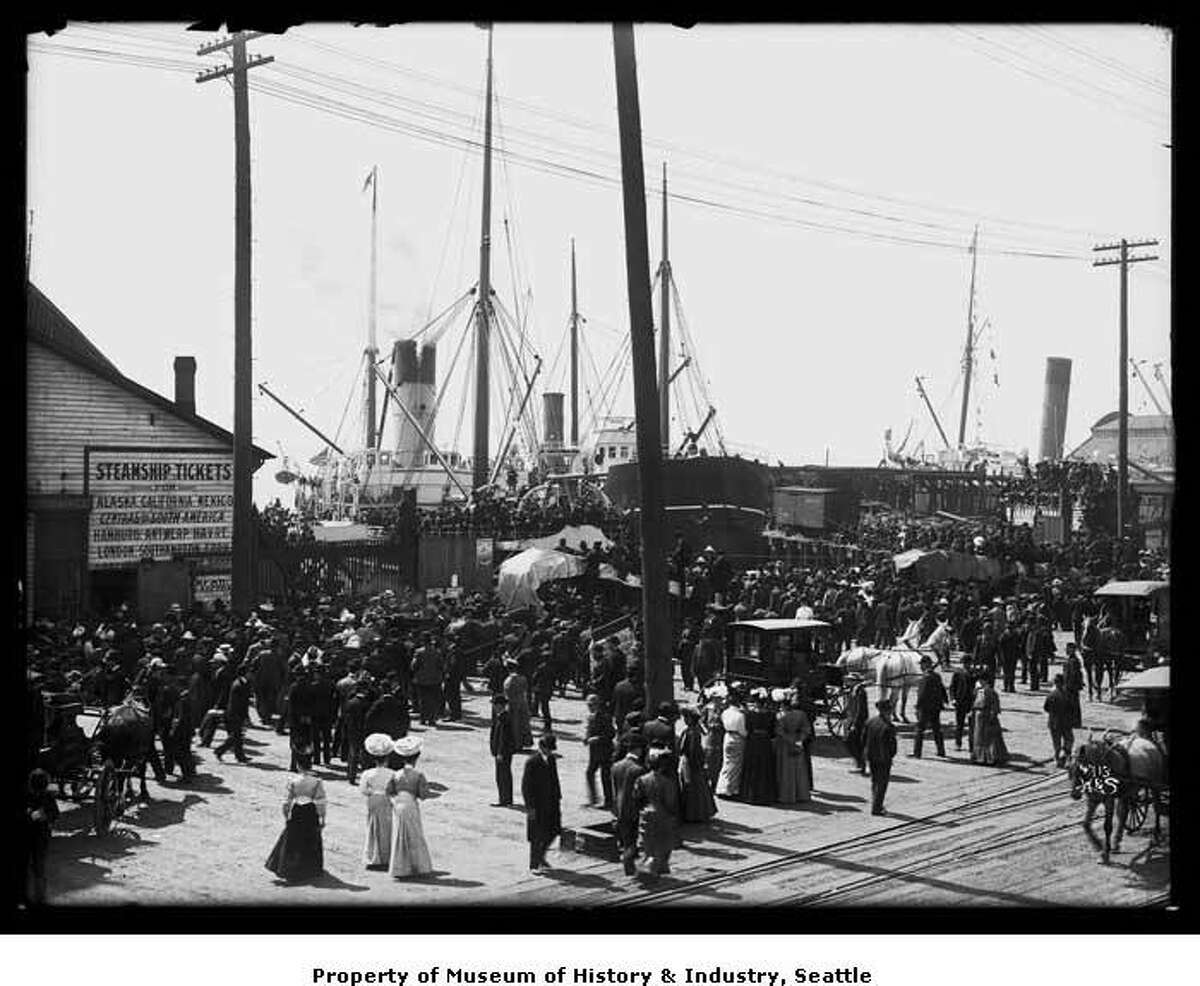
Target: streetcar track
[(867, 841)]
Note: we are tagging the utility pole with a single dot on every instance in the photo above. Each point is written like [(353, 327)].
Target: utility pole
[(656, 628), (484, 301), (969, 352), (574, 355), (29, 246), (664, 339), (242, 589), (1124, 260)]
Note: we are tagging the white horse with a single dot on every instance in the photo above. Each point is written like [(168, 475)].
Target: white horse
[(895, 671)]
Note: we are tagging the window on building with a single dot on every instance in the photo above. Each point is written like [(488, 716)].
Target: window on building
[(624, 451)]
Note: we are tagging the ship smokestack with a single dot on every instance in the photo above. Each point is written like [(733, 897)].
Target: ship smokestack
[(1054, 408)]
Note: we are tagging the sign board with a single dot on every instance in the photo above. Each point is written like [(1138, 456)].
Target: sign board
[(483, 552), (162, 504)]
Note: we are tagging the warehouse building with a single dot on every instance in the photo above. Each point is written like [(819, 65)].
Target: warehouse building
[(129, 494)]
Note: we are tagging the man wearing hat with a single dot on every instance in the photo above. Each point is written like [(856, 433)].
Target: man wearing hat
[(502, 748), (931, 699), (542, 795), (879, 750), (237, 712), (625, 773), (353, 721)]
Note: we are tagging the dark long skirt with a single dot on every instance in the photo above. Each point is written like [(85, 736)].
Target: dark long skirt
[(759, 786), (298, 854)]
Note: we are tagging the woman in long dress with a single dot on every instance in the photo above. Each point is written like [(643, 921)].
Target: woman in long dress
[(298, 853), (378, 786), (516, 690), (759, 785), (792, 734), (697, 803), (989, 745), (410, 854), (733, 750)]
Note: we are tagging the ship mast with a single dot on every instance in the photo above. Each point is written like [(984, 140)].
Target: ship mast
[(969, 352), (574, 355), (483, 302), (664, 341), (372, 350)]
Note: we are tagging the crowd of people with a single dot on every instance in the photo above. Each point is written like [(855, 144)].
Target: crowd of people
[(345, 677)]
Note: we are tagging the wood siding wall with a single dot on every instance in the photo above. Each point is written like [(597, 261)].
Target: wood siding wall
[(69, 408)]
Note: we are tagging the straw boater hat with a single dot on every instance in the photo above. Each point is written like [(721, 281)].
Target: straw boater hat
[(407, 746), (379, 744)]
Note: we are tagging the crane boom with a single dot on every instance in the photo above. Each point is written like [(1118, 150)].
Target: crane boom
[(262, 387), (932, 412)]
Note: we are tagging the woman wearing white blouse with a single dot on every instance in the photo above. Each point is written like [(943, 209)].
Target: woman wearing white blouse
[(410, 853), (298, 854)]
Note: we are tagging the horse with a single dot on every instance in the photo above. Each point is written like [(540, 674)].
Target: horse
[(126, 737), (1111, 772), (1110, 651), (894, 671)]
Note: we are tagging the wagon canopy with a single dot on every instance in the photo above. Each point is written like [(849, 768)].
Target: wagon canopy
[(937, 566), (521, 575), (1156, 679)]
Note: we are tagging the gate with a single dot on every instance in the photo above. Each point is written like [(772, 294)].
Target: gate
[(336, 569)]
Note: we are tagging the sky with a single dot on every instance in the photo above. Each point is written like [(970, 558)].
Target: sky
[(825, 182)]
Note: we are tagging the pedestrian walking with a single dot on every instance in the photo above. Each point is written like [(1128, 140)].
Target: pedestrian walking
[(237, 714), (352, 723), (1073, 685), (299, 853), (793, 732), (1058, 718), (542, 795), (931, 699), (713, 741), (41, 811), (696, 802), (542, 685), (625, 773), (452, 683), (378, 785), (598, 738), (427, 678), (409, 853), (516, 690), (656, 794), (988, 735), (733, 752), (962, 694), (502, 749), (857, 714), (879, 749)]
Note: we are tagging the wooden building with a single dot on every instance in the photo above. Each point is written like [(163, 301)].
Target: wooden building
[(120, 481)]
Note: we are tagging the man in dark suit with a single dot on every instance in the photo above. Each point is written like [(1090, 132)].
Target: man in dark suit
[(543, 801), (931, 699), (502, 748), (625, 773), (857, 714), (962, 694), (624, 694), (353, 724), (879, 749), (237, 713)]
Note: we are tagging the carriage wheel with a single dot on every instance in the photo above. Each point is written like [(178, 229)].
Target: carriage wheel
[(1139, 804), (108, 790)]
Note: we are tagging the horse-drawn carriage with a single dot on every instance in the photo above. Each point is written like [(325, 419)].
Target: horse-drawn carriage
[(782, 653), (99, 766)]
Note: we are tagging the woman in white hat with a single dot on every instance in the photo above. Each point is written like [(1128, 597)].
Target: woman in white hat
[(410, 854), (378, 785)]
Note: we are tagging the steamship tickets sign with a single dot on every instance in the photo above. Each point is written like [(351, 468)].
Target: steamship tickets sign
[(150, 503)]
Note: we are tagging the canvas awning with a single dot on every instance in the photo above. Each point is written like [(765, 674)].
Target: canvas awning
[(1156, 679), (521, 575), (1138, 589)]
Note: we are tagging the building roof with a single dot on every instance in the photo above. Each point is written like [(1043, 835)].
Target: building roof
[(46, 325), (1151, 442)]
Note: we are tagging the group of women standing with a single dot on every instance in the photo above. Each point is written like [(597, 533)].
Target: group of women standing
[(764, 748), (395, 838)]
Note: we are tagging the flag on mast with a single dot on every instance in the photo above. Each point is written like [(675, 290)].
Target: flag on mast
[(370, 179)]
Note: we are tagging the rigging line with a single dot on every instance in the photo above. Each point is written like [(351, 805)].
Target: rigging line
[(1110, 64), (462, 171), (707, 156), (547, 166), (446, 314), (1042, 77), (595, 372), (437, 403), (346, 409), (1058, 71), (607, 381), (555, 168), (516, 374)]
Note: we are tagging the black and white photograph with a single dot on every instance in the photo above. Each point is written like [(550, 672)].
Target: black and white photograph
[(608, 467)]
